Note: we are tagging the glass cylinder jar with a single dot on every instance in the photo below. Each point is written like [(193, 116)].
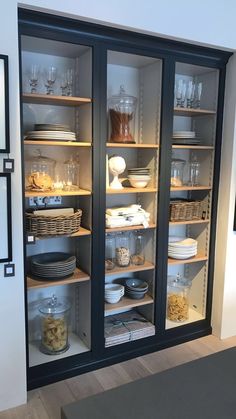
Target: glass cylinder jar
[(71, 174), (177, 172), (138, 257), (122, 117), (123, 249), (194, 171), (40, 173), (110, 252), (178, 298), (54, 325)]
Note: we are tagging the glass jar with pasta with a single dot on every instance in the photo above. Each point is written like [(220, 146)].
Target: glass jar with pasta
[(54, 325), (178, 298)]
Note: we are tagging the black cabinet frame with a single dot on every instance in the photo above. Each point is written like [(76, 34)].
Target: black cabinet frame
[(101, 39)]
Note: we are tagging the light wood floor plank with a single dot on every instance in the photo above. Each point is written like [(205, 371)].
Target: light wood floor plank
[(45, 402)]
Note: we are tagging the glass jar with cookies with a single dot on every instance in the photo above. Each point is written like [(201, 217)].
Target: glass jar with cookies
[(40, 173), (178, 289), (54, 313)]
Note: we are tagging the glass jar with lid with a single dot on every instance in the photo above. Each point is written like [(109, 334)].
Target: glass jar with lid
[(110, 252), (178, 289), (177, 172), (40, 173), (138, 257), (71, 174), (122, 109), (54, 313), (123, 249)]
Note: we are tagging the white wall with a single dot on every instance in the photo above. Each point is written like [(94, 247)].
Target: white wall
[(209, 22)]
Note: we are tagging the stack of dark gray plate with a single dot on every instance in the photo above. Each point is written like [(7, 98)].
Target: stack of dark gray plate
[(54, 265), (135, 288)]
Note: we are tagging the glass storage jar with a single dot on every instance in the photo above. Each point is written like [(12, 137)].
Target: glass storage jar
[(110, 252), (54, 313), (122, 117), (138, 257), (40, 173), (177, 172), (178, 298), (123, 249), (71, 174), (194, 171)]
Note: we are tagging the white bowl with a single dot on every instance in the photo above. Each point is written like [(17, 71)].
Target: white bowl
[(138, 183), (139, 177), (112, 300)]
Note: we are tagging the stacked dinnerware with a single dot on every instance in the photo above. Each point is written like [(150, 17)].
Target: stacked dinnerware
[(56, 132), (139, 177), (181, 247), (113, 293), (185, 137), (54, 265), (135, 288)]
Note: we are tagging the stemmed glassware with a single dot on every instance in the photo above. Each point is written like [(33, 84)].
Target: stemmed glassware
[(50, 76), (188, 94), (67, 82), (33, 77), (198, 94)]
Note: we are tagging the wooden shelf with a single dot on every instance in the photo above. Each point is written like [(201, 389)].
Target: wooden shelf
[(194, 316), (126, 303), (42, 99), (198, 258), (130, 228), (190, 188), (193, 147), (37, 357), (123, 145), (78, 276), (193, 112), (176, 223), (130, 190), (82, 232), (29, 194), (131, 268), (58, 143)]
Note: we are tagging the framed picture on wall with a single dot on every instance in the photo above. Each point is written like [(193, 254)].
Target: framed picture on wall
[(4, 105), (5, 218)]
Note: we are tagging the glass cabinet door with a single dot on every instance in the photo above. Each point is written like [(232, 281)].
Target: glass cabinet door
[(191, 190), (57, 127), (132, 165)]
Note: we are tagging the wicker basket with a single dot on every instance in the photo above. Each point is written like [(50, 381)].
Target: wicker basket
[(46, 225), (184, 210)]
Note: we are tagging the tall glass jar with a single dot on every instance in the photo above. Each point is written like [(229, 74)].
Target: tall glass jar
[(178, 298), (194, 171), (122, 117), (177, 172), (110, 252), (138, 257), (54, 325), (123, 249), (71, 174)]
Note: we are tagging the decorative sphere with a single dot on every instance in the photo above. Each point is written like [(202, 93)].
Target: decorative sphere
[(117, 165)]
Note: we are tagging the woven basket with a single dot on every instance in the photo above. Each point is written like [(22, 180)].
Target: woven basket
[(183, 210), (46, 225)]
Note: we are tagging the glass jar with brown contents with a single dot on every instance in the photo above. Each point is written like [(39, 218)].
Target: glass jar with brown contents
[(178, 298)]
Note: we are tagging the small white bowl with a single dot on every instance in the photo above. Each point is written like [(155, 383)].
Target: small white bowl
[(138, 183)]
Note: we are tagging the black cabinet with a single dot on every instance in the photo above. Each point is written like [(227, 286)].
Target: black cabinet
[(147, 234)]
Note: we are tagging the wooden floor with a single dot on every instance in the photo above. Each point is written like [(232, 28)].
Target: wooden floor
[(45, 402)]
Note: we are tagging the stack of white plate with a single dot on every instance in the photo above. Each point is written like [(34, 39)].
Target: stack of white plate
[(113, 293), (181, 247), (56, 132), (54, 265), (185, 137)]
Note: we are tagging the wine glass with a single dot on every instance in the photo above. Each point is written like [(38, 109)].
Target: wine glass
[(179, 86), (198, 94), (50, 76), (69, 78), (33, 77), (183, 94), (64, 84), (190, 93)]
